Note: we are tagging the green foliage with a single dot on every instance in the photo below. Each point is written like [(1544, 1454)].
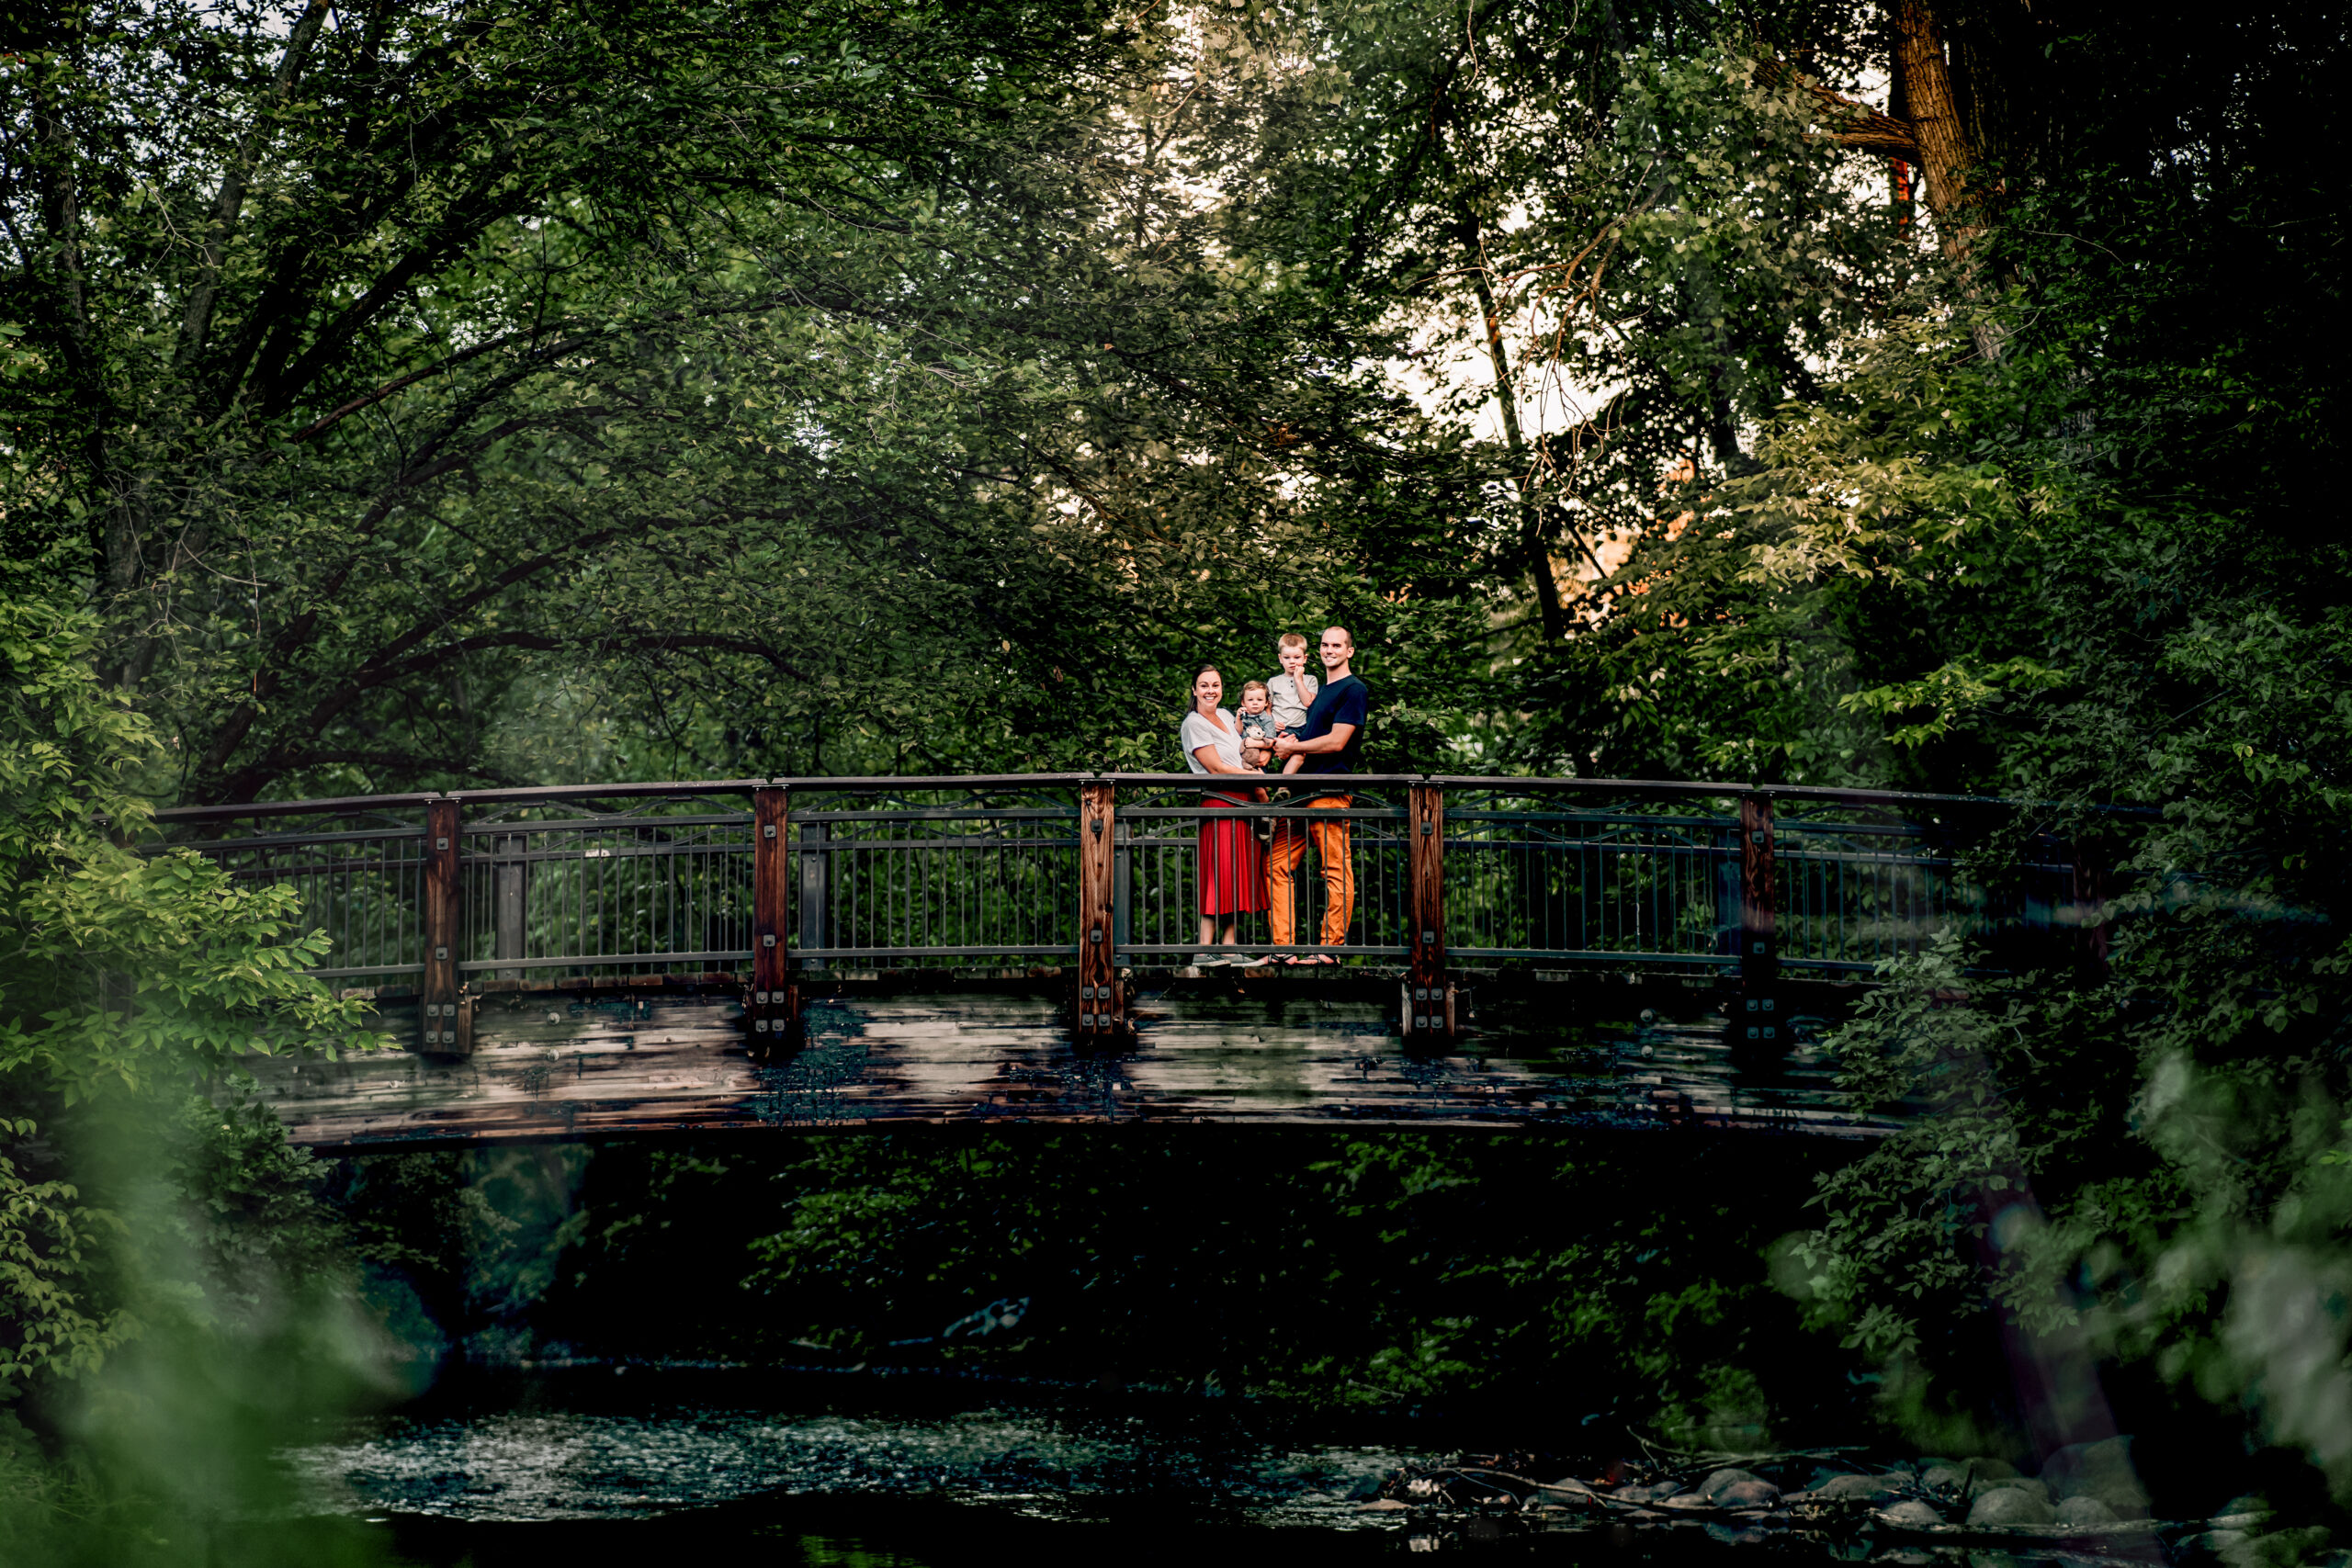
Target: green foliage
[(459, 1249), (122, 975), (1621, 1282), (832, 390), (2076, 573)]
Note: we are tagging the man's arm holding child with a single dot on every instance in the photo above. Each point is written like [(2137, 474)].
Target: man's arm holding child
[(1291, 746)]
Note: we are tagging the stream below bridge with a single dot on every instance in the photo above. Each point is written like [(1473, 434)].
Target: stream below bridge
[(666, 1465)]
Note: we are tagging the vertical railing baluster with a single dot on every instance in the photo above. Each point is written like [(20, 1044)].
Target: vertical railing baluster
[(509, 892), (812, 891), (1121, 885), (1728, 924)]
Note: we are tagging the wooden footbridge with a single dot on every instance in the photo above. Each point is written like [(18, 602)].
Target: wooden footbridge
[(573, 961)]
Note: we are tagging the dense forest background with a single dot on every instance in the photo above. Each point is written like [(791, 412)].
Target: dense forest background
[(1936, 395)]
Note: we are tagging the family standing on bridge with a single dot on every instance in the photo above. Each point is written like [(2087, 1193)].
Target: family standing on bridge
[(1307, 727)]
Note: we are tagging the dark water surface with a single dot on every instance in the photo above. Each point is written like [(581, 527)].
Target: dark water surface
[(822, 1470), (670, 1468)]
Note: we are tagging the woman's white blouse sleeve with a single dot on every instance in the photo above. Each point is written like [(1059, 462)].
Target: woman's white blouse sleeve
[(1194, 732), (1197, 732)]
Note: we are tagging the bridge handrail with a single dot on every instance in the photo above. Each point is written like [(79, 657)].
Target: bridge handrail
[(859, 784)]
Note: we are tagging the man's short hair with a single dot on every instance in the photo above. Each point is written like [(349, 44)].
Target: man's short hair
[(1345, 633), (1290, 640)]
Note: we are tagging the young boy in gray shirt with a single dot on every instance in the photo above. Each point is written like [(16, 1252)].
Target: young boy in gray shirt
[(1290, 694)]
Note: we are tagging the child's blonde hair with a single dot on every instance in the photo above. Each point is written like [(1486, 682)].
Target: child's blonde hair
[(1289, 639), (1249, 686)]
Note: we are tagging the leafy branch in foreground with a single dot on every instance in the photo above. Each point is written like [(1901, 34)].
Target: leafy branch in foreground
[(125, 978)]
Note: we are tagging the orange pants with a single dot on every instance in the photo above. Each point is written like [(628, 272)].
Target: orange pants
[(1285, 854)]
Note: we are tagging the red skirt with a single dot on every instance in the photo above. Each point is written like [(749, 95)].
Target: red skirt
[(1232, 866)]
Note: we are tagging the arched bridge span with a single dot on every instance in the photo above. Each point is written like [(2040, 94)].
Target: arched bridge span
[(837, 951)]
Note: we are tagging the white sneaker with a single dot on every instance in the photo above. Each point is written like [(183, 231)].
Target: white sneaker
[(1206, 960)]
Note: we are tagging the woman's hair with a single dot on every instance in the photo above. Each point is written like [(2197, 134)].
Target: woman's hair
[(1191, 701)]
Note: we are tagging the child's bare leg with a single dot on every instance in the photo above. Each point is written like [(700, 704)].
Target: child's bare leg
[(1297, 760)]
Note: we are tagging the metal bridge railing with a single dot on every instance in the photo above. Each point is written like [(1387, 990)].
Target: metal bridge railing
[(1547, 870), (896, 873), (771, 880)]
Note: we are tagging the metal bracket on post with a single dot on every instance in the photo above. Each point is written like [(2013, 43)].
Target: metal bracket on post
[(1759, 1020), (1100, 1009), (441, 912), (773, 1015), (1428, 1004)]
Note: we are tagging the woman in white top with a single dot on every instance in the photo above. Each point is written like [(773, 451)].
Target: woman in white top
[(1233, 871)]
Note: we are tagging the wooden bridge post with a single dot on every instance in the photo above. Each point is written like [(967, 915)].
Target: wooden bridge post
[(444, 908), (1759, 948), (1428, 1001), (1101, 1004), (775, 1011)]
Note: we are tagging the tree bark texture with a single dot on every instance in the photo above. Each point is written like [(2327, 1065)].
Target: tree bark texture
[(1925, 84), (1538, 550)]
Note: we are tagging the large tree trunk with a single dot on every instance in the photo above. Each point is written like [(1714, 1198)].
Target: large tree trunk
[(1947, 155), (1536, 548), (1925, 88)]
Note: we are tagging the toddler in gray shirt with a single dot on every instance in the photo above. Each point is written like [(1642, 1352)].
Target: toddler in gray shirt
[(1289, 693)]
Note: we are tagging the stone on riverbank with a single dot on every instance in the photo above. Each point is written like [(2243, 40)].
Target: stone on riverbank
[(2101, 1469), (1859, 1488), (2007, 1505), (1739, 1489), (1911, 1514), (2015, 1483), (2085, 1511)]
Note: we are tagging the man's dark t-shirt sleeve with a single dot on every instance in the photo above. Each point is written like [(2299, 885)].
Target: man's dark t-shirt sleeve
[(1340, 702)]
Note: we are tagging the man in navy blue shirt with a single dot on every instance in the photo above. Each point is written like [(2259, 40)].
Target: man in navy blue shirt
[(1331, 741)]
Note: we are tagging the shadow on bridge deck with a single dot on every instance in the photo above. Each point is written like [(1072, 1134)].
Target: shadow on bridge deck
[(585, 1058)]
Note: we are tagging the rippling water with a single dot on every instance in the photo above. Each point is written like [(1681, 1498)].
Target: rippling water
[(602, 1458), (675, 1470)]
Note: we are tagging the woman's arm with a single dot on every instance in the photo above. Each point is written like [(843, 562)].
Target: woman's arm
[(1212, 762), (1215, 764)]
